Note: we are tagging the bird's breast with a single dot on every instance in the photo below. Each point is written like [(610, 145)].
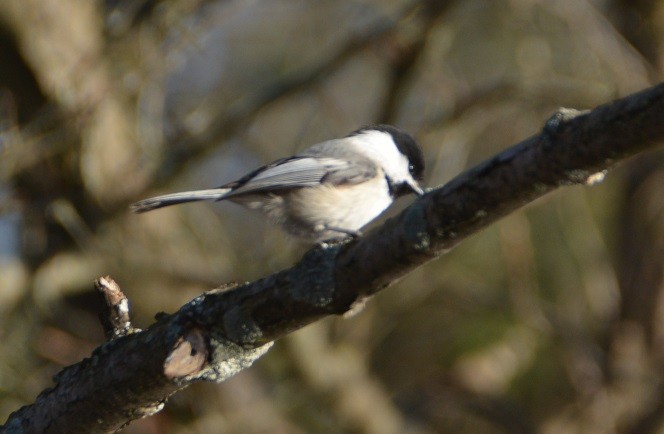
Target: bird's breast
[(347, 207)]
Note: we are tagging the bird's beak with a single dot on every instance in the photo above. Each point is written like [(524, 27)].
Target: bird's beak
[(415, 187)]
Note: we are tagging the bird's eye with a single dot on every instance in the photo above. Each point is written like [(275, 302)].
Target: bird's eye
[(411, 168)]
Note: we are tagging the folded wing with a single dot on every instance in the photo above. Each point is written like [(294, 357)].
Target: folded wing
[(303, 171)]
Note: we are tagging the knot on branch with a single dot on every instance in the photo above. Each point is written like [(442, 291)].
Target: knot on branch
[(555, 125)]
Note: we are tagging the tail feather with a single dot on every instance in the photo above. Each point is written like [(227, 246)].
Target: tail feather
[(175, 198)]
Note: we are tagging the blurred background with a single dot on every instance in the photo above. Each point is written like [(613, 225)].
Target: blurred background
[(550, 321)]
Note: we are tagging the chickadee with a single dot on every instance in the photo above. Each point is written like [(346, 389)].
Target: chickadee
[(328, 191)]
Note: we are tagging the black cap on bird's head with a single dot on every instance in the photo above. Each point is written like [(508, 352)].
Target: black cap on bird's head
[(406, 145)]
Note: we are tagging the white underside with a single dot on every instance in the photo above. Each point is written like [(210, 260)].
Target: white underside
[(314, 213)]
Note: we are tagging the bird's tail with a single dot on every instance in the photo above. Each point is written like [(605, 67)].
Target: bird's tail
[(175, 198)]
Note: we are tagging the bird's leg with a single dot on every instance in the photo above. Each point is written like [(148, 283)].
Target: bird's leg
[(350, 232), (350, 235)]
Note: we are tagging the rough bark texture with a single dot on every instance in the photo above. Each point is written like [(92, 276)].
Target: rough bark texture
[(133, 375)]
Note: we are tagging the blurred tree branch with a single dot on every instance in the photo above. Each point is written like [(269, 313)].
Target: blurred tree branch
[(222, 332), (240, 117), (78, 76)]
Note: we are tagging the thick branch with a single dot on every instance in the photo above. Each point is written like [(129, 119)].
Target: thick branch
[(224, 331)]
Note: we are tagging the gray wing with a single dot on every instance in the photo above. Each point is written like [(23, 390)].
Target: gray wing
[(304, 171)]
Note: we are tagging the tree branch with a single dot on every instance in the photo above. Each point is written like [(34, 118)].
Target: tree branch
[(222, 332)]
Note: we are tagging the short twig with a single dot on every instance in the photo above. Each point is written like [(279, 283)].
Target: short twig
[(115, 314)]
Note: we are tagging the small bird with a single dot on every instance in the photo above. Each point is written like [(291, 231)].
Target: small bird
[(328, 191)]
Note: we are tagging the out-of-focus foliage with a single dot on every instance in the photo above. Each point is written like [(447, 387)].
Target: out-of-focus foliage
[(552, 320)]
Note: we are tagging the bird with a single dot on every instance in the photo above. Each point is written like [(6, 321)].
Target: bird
[(326, 192)]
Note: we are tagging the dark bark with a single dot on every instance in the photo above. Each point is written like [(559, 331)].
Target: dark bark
[(222, 332)]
